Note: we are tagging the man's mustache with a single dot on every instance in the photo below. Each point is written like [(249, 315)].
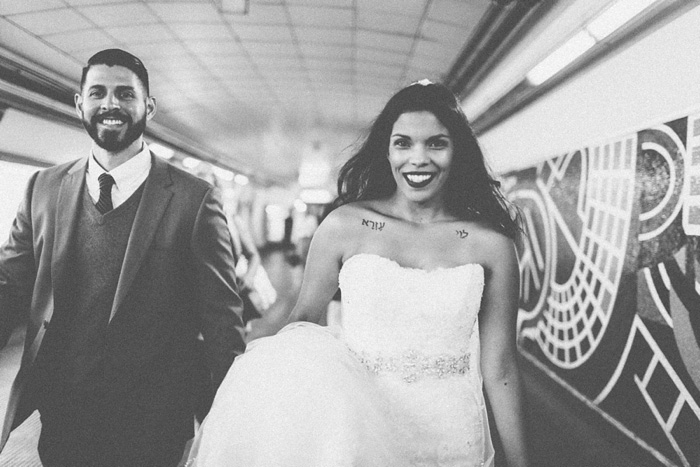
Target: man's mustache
[(112, 114)]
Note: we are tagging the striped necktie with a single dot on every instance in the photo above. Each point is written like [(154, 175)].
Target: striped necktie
[(104, 204)]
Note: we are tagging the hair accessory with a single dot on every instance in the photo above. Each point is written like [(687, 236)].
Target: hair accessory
[(423, 82)]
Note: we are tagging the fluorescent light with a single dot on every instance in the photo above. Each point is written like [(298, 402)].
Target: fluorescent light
[(615, 16), (223, 174), (190, 162), (241, 179), (560, 58), (161, 151)]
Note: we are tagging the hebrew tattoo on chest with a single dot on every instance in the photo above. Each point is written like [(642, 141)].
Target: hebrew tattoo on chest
[(373, 225), (462, 233)]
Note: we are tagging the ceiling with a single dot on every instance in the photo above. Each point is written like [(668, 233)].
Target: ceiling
[(290, 82), (281, 92)]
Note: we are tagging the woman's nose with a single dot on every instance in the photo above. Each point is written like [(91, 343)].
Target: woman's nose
[(419, 156)]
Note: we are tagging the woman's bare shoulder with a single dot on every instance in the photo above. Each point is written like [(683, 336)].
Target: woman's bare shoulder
[(493, 246)]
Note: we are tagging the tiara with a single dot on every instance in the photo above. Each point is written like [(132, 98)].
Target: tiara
[(423, 82)]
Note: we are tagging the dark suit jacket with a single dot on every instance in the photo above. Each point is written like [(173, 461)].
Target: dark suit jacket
[(177, 280)]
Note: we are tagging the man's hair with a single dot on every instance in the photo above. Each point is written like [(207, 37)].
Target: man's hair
[(112, 57)]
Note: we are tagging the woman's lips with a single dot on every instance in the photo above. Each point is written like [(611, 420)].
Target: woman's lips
[(418, 179)]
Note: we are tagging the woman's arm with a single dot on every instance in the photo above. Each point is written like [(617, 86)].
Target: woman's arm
[(498, 320), (321, 271)]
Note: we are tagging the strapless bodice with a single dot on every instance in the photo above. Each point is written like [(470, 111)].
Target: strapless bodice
[(394, 315)]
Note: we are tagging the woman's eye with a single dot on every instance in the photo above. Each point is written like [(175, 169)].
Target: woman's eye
[(439, 144), (401, 143)]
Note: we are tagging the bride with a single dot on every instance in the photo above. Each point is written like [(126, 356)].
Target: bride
[(421, 244)]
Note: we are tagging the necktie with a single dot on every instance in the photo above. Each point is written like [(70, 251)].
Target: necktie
[(104, 204)]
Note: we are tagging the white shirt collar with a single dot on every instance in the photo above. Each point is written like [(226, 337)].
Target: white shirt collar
[(127, 176)]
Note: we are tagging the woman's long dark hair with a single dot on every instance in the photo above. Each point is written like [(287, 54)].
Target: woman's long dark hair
[(471, 192)]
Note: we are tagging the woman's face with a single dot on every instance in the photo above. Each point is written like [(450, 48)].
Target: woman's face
[(420, 155)]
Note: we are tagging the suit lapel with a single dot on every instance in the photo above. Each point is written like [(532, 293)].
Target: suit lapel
[(67, 205), (154, 199)]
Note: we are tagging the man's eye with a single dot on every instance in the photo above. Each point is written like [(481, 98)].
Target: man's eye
[(127, 95)]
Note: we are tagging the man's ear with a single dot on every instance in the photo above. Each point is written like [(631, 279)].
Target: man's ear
[(150, 107), (79, 105)]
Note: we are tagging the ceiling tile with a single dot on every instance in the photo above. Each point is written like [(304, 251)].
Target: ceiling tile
[(280, 63), (227, 48), (95, 2), (336, 65), (140, 34), (319, 16), (381, 56), (271, 48), (119, 15), (435, 49), (259, 33), (387, 22), (311, 49), (467, 13), (376, 69), (157, 52), (12, 7), (261, 14), (197, 31), (324, 35), (51, 22), (186, 12), (80, 40), (336, 3), (397, 43), (445, 33), (397, 7)]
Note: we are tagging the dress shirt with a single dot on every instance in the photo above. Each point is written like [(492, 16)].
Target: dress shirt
[(128, 177)]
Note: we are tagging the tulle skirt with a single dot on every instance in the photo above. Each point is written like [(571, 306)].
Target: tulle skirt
[(298, 399)]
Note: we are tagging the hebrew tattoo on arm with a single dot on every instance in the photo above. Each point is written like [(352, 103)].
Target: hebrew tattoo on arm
[(462, 233), (373, 225)]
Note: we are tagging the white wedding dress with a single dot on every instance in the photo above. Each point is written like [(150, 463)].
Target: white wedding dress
[(398, 384)]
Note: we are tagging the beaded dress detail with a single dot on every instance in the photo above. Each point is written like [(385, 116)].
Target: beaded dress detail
[(398, 385)]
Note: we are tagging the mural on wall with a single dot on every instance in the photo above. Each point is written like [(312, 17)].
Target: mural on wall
[(610, 277)]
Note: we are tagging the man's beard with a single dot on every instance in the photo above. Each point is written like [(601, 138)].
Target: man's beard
[(110, 140)]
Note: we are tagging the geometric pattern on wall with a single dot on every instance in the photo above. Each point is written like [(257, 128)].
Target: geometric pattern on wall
[(570, 323), (610, 282)]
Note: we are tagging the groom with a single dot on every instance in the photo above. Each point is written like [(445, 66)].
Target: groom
[(118, 261)]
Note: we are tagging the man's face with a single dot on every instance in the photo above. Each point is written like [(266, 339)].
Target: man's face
[(114, 107)]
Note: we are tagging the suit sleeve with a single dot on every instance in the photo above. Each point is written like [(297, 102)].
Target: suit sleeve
[(17, 271), (220, 306)]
